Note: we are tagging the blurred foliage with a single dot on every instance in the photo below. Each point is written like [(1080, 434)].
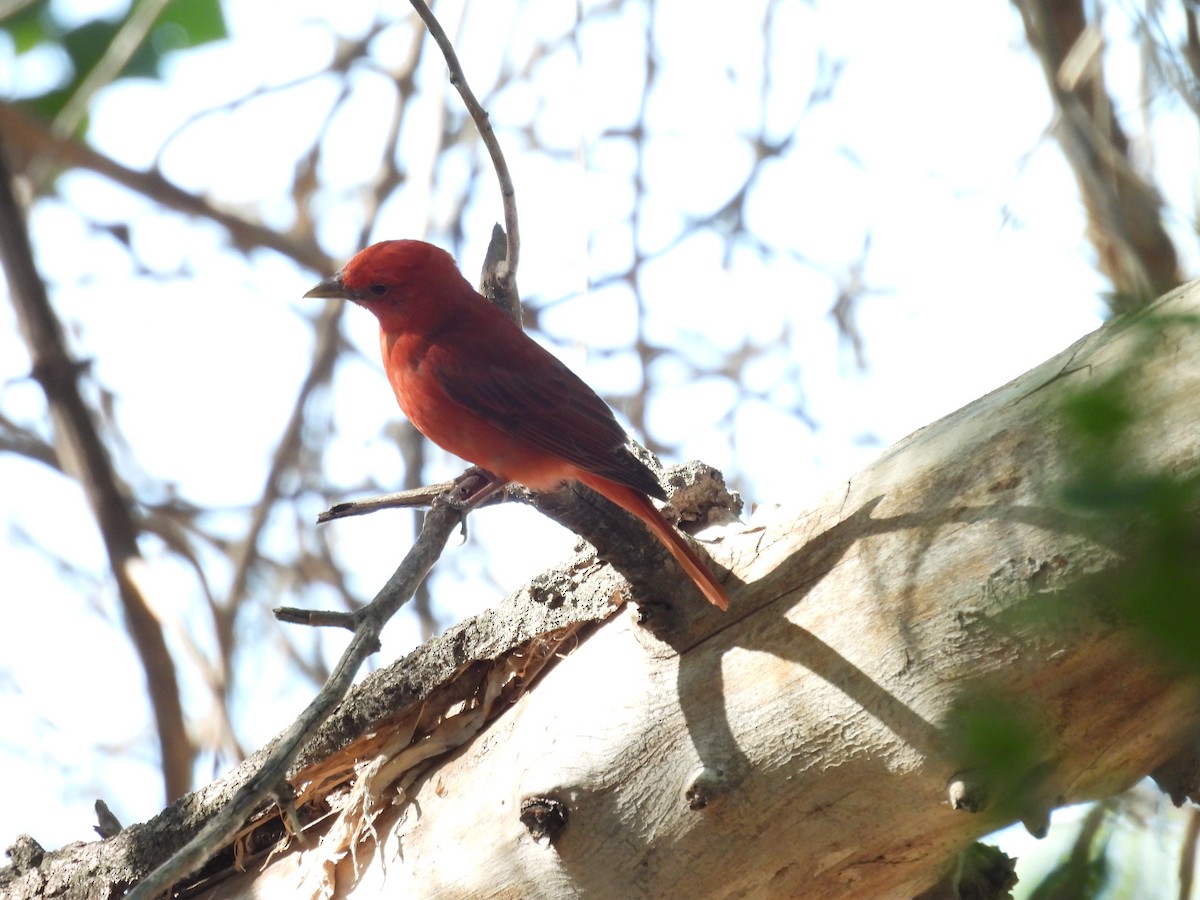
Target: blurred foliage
[(1152, 515), (1076, 878), (994, 741), (179, 25)]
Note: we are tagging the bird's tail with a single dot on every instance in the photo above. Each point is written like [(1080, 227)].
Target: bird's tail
[(641, 506)]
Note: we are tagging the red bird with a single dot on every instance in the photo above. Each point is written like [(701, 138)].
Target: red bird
[(475, 384)]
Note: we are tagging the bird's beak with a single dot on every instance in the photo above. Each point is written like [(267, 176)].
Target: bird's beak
[(331, 287)]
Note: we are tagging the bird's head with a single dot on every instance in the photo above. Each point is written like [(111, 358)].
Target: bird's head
[(392, 276)]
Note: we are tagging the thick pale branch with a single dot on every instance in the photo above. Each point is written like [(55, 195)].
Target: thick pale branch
[(805, 744), (810, 742)]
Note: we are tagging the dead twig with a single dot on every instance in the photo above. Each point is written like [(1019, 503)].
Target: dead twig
[(507, 272), (414, 497)]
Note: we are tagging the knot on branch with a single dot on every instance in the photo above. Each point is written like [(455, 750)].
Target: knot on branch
[(545, 818), (698, 493), (705, 785)]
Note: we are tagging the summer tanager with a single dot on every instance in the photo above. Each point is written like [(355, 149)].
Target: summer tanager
[(474, 383)]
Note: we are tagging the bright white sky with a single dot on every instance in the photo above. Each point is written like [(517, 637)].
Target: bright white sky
[(934, 143)]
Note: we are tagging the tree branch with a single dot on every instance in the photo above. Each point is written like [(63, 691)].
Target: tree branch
[(1124, 209), (28, 139), (82, 454), (419, 497)]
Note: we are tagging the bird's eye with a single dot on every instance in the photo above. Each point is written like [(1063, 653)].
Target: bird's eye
[(378, 289)]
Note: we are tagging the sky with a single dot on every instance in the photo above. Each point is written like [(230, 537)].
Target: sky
[(935, 149)]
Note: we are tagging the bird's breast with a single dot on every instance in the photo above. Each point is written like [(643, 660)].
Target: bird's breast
[(411, 363)]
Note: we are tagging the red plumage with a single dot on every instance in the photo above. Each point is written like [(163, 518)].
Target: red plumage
[(475, 384)]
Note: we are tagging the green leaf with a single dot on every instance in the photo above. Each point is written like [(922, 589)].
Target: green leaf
[(196, 22), (29, 27), (182, 24)]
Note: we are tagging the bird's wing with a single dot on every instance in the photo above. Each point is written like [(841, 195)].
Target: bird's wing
[(533, 397)]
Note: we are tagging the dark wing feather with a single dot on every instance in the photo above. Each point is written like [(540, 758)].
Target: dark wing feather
[(532, 396)]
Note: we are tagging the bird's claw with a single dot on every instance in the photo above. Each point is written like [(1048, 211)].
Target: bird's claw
[(470, 489)]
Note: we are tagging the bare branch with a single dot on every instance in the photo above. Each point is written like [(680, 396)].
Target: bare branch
[(413, 497), (27, 139), (507, 274), (1123, 208), (83, 455), (475, 487), (316, 618), (23, 442)]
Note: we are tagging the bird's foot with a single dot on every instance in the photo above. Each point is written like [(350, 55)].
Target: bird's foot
[(471, 489)]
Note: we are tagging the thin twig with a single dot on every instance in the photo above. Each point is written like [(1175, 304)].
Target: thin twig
[(347, 52), (474, 488), (21, 441), (508, 272), (270, 779), (414, 497), (317, 618)]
